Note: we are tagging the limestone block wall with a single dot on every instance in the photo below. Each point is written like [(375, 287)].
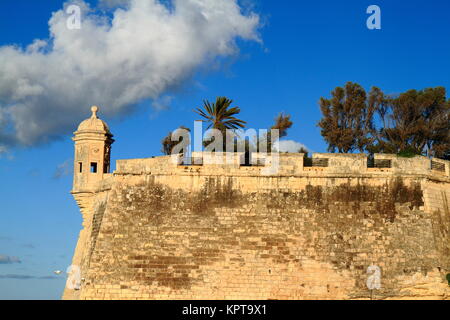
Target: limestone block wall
[(287, 165), (92, 207), (160, 230)]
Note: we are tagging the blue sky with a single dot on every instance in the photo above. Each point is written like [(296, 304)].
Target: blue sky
[(308, 48)]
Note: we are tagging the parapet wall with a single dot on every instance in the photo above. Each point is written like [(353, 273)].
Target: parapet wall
[(162, 229), (287, 165)]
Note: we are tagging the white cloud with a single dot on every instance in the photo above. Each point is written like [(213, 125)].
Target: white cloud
[(144, 51), (5, 153), (290, 146), (113, 3), (162, 103), (63, 169), (8, 259)]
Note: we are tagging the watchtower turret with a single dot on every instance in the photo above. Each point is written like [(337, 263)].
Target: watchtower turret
[(93, 142)]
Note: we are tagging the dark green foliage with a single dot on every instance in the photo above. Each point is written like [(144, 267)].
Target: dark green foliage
[(446, 155), (305, 151), (412, 123), (407, 153), (220, 115), (347, 118), (168, 144), (282, 124)]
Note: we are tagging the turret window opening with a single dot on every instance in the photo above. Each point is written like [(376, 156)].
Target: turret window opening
[(80, 167), (93, 167)]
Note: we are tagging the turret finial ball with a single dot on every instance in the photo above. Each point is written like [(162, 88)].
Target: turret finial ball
[(94, 110)]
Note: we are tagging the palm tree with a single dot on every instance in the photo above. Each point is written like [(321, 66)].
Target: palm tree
[(220, 115)]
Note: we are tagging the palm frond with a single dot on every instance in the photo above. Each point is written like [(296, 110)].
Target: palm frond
[(220, 115)]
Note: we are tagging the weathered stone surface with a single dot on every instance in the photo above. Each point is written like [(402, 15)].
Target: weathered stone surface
[(281, 229), (157, 230)]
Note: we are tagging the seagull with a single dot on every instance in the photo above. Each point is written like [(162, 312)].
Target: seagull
[(58, 272)]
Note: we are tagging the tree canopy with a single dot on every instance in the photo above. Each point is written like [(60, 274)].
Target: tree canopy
[(416, 121), (168, 144)]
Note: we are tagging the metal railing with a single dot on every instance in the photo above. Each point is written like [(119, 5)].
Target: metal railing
[(437, 166), (379, 163), (315, 162)]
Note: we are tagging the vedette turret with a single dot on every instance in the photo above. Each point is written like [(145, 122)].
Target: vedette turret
[(93, 142)]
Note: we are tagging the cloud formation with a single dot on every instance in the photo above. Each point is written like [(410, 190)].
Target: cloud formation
[(9, 259), (63, 169), (290, 146), (145, 50)]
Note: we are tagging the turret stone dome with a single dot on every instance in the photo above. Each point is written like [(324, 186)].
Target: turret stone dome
[(93, 124)]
